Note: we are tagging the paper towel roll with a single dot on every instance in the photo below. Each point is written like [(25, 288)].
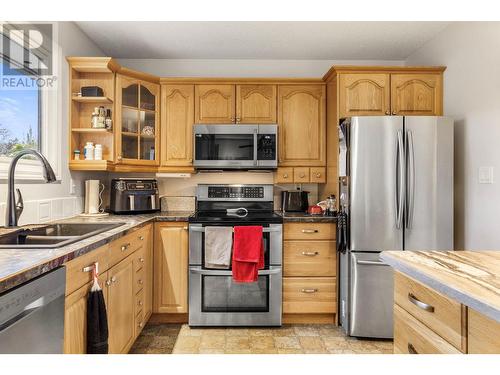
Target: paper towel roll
[(92, 204)]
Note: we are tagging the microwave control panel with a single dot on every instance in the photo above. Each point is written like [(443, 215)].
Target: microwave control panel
[(266, 147)]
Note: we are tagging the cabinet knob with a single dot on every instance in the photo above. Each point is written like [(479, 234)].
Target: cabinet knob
[(119, 157), (185, 228), (108, 282), (285, 175), (232, 119), (238, 120), (114, 279), (125, 246), (387, 112), (141, 238), (141, 324), (140, 281), (394, 112), (318, 175), (302, 175), (141, 260), (140, 303)]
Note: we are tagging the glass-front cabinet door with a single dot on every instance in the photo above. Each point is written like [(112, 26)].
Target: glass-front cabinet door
[(137, 121)]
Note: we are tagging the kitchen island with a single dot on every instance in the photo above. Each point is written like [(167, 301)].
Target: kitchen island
[(446, 302)]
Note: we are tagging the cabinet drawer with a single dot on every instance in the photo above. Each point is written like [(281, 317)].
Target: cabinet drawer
[(123, 247), (484, 334), (139, 323), (76, 277), (300, 175), (309, 295), (318, 175), (284, 176), (309, 231), (309, 258), (441, 314), (139, 281), (413, 337), (139, 302), (139, 259)]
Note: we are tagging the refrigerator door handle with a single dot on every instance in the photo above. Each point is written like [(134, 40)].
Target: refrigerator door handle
[(400, 180), (411, 180)]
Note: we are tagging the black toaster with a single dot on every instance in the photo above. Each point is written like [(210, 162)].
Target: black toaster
[(133, 196)]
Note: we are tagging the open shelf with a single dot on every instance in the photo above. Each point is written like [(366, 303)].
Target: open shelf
[(90, 165), (92, 99)]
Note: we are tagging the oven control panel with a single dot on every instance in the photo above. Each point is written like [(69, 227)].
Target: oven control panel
[(236, 192)]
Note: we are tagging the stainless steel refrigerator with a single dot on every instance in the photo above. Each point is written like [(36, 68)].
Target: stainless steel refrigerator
[(396, 193)]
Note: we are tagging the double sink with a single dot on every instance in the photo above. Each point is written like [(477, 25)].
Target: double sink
[(52, 236)]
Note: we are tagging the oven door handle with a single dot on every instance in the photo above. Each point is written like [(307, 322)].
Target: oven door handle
[(200, 271), (265, 229)]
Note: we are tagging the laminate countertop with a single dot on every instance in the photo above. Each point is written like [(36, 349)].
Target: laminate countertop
[(469, 277), (20, 265)]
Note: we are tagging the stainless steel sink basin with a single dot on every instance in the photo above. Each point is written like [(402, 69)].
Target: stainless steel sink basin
[(52, 235)]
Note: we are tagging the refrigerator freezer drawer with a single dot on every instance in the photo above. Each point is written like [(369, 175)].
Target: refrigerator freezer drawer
[(372, 289)]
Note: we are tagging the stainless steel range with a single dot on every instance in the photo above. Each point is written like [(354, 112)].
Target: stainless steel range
[(214, 298)]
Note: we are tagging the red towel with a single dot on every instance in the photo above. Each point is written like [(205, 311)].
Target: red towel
[(248, 253)]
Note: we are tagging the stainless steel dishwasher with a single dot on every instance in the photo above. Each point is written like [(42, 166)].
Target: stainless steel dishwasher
[(32, 315)]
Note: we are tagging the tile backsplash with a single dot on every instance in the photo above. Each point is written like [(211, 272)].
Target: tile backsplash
[(44, 210)]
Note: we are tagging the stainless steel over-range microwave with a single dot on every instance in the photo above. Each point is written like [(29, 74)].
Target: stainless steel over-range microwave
[(235, 146)]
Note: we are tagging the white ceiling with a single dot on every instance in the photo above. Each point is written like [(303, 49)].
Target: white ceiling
[(261, 40)]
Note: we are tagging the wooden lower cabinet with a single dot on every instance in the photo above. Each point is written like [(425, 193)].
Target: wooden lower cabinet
[(483, 334), (413, 337), (300, 175), (75, 318), (427, 322), (121, 295), (171, 268), (125, 285)]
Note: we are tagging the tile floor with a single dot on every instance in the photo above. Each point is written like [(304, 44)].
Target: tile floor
[(289, 339)]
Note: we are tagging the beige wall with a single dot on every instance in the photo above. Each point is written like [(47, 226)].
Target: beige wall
[(472, 97)]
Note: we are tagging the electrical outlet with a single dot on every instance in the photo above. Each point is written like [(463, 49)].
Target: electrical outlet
[(485, 175), (72, 187)]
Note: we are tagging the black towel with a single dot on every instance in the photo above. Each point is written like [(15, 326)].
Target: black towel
[(97, 322)]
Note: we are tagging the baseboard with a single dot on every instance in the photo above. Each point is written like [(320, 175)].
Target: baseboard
[(168, 318), (309, 319)]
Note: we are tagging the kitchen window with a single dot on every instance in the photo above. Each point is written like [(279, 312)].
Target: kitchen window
[(29, 118)]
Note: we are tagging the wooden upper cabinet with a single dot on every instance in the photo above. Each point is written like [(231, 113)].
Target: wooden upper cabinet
[(215, 104), (417, 94), (364, 94), (301, 120), (256, 104), (137, 121), (177, 118)]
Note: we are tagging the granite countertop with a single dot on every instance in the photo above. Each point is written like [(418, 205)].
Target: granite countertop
[(20, 265), (302, 217), (469, 277)]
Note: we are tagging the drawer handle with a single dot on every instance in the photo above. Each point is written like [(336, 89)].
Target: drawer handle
[(310, 231), (411, 349), (125, 247), (141, 260), (310, 253), (309, 291), (419, 303)]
